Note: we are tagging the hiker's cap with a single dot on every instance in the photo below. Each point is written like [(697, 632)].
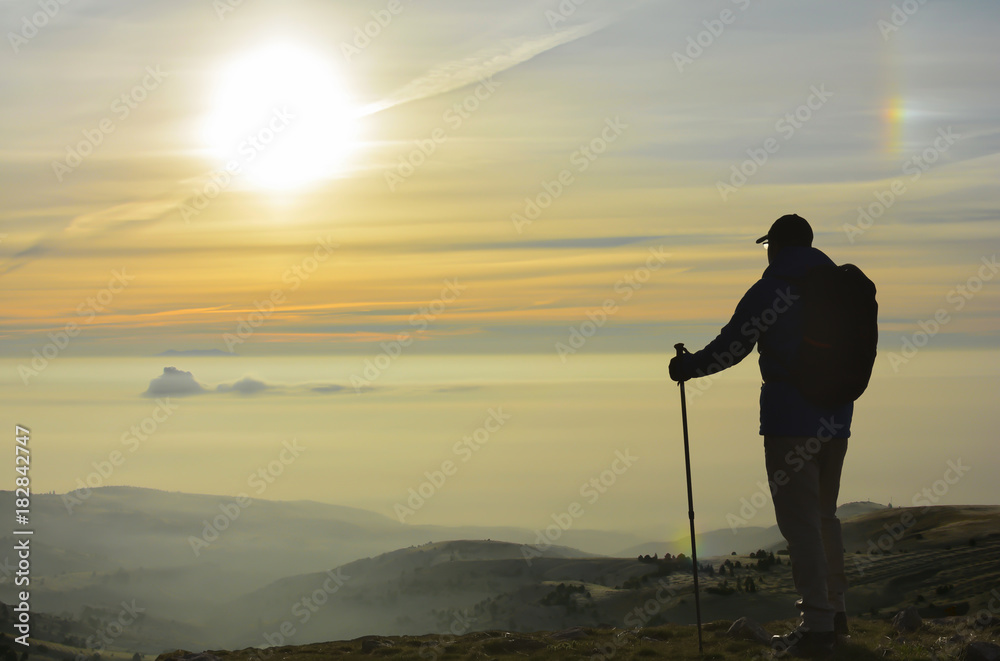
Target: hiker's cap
[(790, 230)]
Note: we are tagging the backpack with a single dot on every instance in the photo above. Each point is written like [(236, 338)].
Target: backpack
[(840, 332)]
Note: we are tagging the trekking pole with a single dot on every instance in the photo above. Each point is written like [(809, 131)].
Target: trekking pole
[(687, 466)]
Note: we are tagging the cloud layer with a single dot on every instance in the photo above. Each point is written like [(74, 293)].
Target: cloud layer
[(178, 383)]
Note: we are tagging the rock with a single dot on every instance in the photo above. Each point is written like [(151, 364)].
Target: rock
[(982, 652), (748, 629), (907, 620), (955, 639), (369, 645)]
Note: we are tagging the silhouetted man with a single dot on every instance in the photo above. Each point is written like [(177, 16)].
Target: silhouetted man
[(804, 444)]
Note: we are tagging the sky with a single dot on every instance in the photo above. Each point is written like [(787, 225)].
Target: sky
[(389, 220)]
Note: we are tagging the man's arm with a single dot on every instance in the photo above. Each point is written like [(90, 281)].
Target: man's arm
[(736, 339)]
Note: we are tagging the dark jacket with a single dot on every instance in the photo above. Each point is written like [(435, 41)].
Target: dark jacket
[(769, 316)]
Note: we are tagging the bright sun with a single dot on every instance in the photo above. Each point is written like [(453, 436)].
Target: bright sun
[(281, 117)]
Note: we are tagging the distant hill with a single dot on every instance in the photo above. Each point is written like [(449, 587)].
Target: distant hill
[(913, 528), (946, 556), (339, 572), (120, 543), (711, 543), (858, 508), (466, 584), (742, 539)]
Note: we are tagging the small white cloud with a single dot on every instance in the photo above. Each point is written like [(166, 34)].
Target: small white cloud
[(245, 386), (174, 382)]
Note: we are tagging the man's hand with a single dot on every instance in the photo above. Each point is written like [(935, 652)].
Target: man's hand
[(677, 369)]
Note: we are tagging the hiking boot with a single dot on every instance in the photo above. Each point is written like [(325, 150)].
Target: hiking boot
[(804, 644), (840, 628)]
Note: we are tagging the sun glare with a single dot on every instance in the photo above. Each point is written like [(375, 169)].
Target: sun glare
[(281, 118)]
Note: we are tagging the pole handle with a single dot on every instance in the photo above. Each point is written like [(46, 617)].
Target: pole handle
[(681, 350)]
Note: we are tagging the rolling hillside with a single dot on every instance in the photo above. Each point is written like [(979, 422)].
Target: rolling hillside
[(306, 572), (940, 563)]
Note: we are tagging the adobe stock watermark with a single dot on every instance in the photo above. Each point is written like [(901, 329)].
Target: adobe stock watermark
[(465, 450), (925, 498), (563, 11), (132, 439), (223, 7), (31, 25), (259, 481), (122, 107), (636, 619), (461, 624), (699, 43), (252, 146), (597, 317), (293, 277), (958, 298), (795, 460), (303, 610), (365, 34), (591, 491), (580, 161), (914, 167), (420, 320), (984, 617), (105, 636), (899, 16), (454, 117), (750, 332), (785, 127), (60, 339)]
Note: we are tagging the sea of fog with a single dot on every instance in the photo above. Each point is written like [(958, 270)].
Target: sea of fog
[(516, 440)]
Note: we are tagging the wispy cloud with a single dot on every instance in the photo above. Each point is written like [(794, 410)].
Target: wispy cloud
[(102, 220), (483, 64), (439, 80)]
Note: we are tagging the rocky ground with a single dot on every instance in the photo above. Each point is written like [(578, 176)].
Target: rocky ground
[(905, 637)]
